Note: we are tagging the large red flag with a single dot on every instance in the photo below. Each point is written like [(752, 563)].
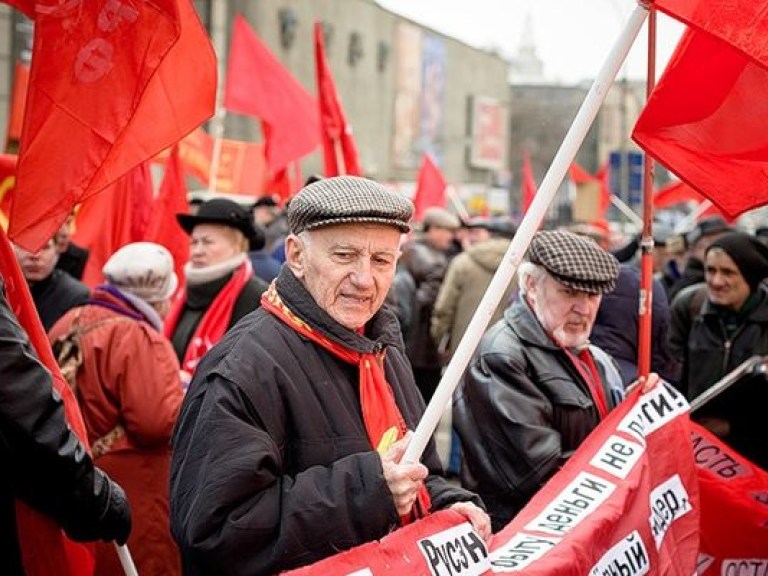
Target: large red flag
[(109, 221), (528, 184), (702, 120), (45, 549), (171, 200), (335, 130), (259, 85), (111, 85), (430, 188)]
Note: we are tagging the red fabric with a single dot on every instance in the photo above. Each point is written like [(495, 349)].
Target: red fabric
[(113, 84), (45, 549), (163, 227), (335, 131), (430, 188), (18, 97), (528, 184), (109, 221), (215, 319), (700, 119), (26, 6), (585, 364), (734, 508), (259, 85), (7, 184), (382, 418)]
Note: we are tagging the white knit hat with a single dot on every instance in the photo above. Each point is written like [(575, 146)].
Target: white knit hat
[(144, 269)]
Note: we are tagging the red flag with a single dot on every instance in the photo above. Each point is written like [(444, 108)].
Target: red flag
[(109, 221), (528, 184), (44, 547), (335, 130), (580, 176), (430, 188), (171, 200), (111, 85), (700, 119), (18, 97), (259, 85), (675, 193)]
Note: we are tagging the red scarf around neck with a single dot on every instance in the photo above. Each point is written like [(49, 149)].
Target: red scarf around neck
[(215, 319), (585, 364), (383, 421)]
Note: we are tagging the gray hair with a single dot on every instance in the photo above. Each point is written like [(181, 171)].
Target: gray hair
[(529, 270)]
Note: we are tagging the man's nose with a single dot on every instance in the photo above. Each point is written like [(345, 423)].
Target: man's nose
[(362, 276)]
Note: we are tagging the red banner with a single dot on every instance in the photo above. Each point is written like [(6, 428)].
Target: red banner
[(625, 503)]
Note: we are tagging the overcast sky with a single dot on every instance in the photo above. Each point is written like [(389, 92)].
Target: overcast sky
[(573, 37)]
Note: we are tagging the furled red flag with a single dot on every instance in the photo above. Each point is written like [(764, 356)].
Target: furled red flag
[(107, 222), (528, 184), (111, 85), (18, 97), (335, 130), (430, 188), (259, 85), (700, 121), (171, 200), (45, 549), (7, 184)]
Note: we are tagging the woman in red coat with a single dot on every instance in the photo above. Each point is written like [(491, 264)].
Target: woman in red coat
[(129, 392)]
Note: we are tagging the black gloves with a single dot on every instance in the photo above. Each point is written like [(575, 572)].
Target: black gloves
[(113, 518), (116, 521)]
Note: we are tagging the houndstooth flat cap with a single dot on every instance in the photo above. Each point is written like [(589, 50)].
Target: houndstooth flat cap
[(575, 261), (347, 199)]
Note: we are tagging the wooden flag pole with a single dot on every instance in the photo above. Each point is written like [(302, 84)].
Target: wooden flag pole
[(528, 227)]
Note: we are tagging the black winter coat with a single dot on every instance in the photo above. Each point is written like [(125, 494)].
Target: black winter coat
[(44, 464), (56, 295), (272, 467), (522, 411)]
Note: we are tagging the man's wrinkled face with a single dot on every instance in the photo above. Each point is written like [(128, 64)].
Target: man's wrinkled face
[(567, 315), (725, 284), (347, 269), (39, 265)]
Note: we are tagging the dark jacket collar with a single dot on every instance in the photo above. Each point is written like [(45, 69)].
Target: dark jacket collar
[(382, 330), (524, 323)]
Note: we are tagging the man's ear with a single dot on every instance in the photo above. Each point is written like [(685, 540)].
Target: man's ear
[(294, 255)]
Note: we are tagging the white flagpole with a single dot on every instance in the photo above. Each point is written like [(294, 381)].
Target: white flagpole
[(627, 211), (528, 227), (126, 561)]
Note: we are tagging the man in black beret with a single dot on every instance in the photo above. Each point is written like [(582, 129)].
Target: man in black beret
[(536, 387), (289, 441), (719, 325)]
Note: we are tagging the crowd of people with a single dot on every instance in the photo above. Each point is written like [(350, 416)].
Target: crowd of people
[(251, 417)]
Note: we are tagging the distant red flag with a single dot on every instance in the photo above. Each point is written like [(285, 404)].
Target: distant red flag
[(44, 547), (107, 222), (700, 119), (171, 200), (18, 97), (430, 188), (580, 176), (335, 130), (675, 193), (111, 84), (259, 85), (528, 184)]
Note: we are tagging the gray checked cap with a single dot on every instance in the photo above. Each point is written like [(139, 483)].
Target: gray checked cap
[(575, 261), (345, 200)]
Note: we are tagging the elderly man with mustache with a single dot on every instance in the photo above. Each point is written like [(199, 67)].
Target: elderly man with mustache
[(536, 387)]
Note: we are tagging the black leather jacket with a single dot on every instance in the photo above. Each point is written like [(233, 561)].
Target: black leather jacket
[(522, 411), (44, 464)]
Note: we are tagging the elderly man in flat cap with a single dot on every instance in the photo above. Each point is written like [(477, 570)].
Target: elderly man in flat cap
[(289, 442), (536, 388), (718, 325)]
